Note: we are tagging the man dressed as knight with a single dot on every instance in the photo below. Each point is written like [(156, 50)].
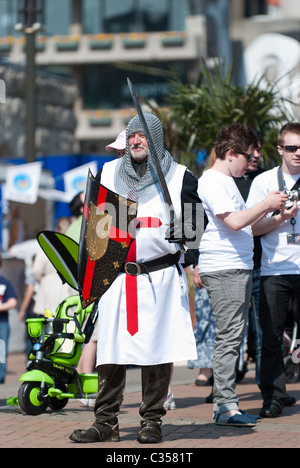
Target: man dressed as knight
[(144, 316)]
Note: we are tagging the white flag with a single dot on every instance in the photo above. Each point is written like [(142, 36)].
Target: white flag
[(22, 182), (75, 179)]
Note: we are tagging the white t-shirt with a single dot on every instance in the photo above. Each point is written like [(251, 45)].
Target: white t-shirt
[(278, 257), (221, 248)]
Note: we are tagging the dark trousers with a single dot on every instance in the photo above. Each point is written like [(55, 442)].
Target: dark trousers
[(155, 382), (276, 294)]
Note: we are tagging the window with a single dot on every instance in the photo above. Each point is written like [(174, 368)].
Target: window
[(8, 17), (255, 7), (105, 86), (113, 16), (57, 17)]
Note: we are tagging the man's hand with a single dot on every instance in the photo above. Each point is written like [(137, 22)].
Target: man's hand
[(289, 213), (196, 278), (275, 201), (179, 232)]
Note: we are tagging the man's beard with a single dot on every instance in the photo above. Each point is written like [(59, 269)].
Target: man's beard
[(139, 157)]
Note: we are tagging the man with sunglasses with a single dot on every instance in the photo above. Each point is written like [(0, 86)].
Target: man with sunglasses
[(226, 260), (280, 266)]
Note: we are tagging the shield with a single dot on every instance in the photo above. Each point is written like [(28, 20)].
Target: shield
[(62, 251), (107, 229)]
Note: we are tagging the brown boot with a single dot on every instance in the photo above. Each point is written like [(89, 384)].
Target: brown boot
[(150, 433), (107, 406), (96, 433), (155, 383)]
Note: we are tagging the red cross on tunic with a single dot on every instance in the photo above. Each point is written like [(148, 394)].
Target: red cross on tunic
[(131, 281)]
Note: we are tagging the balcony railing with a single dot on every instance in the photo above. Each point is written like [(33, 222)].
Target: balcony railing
[(107, 48)]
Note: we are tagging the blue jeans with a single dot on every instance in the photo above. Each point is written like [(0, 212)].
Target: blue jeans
[(4, 335), (275, 295), (229, 294)]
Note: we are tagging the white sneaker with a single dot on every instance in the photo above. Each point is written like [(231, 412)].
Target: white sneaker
[(169, 404), (87, 402)]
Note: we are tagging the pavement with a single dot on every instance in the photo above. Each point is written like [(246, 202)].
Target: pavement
[(185, 430)]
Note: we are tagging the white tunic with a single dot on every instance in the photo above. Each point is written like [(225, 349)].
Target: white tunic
[(165, 331)]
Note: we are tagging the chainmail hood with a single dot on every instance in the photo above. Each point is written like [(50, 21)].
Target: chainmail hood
[(127, 173)]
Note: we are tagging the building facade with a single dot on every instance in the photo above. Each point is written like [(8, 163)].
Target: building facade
[(101, 42)]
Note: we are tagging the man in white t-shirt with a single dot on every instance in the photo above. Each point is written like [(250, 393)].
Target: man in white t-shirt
[(226, 252), (280, 267)]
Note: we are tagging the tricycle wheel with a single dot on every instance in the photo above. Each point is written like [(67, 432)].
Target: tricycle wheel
[(56, 403), (28, 398)]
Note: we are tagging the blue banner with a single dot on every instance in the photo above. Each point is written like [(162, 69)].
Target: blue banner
[(58, 165)]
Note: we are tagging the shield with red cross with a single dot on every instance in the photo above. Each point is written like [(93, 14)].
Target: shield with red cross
[(107, 229)]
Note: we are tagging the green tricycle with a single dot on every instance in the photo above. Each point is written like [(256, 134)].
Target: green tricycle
[(57, 340), (51, 378)]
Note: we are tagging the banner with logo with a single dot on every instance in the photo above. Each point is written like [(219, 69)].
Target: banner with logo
[(75, 180), (22, 182)]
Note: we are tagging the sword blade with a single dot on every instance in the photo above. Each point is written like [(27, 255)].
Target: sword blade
[(161, 178)]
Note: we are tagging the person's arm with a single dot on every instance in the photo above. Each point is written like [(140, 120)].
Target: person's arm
[(268, 224), (9, 298), (11, 303), (237, 220), (196, 278)]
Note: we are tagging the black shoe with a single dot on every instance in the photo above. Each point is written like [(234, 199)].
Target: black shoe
[(150, 433), (289, 401), (96, 433), (271, 411), (209, 398)]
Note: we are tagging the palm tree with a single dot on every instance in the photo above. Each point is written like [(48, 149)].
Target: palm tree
[(195, 112)]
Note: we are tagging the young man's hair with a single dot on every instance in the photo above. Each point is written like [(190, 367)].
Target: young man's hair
[(290, 127), (236, 136)]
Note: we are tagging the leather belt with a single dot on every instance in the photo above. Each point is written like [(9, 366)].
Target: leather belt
[(136, 269)]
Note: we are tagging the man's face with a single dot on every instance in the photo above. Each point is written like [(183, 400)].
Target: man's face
[(239, 162), (138, 146), (290, 152), (253, 165)]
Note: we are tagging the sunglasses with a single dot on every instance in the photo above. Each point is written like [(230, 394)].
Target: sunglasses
[(249, 157), (290, 148)]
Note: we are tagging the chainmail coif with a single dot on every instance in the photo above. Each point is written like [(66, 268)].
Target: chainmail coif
[(149, 180)]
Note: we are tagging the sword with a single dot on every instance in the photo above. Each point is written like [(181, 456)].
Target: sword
[(161, 178)]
